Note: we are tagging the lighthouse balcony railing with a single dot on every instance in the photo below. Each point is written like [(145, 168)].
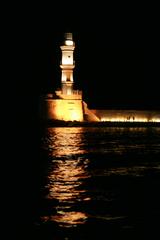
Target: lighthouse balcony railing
[(75, 94)]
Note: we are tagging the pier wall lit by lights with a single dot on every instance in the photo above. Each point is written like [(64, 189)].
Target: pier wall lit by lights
[(127, 115)]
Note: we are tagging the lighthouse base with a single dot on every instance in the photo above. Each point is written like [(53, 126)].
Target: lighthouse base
[(65, 108)]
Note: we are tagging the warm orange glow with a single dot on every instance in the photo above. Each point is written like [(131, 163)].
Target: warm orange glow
[(67, 219), (155, 120), (69, 42), (66, 144), (68, 115), (68, 111), (66, 180), (67, 175), (75, 116), (72, 218), (124, 119)]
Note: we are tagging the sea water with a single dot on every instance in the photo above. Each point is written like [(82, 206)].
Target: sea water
[(99, 183)]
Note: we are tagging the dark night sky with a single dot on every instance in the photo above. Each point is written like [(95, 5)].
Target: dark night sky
[(116, 61), (111, 74), (115, 67)]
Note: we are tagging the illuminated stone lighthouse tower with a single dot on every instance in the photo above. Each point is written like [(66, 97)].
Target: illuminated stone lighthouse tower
[(69, 105), (67, 65), (66, 104)]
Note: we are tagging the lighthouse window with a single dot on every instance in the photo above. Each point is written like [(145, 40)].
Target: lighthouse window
[(69, 56)]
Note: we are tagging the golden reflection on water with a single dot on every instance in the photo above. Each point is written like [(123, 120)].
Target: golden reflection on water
[(64, 141), (65, 180)]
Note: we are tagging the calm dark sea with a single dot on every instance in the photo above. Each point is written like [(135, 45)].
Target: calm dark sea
[(98, 183)]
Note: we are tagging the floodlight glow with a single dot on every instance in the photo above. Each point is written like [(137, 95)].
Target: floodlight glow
[(69, 42)]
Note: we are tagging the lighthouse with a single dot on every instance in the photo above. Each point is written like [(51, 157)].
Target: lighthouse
[(66, 104), (67, 64)]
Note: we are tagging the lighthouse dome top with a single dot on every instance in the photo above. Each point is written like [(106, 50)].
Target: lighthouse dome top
[(68, 36), (69, 39)]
